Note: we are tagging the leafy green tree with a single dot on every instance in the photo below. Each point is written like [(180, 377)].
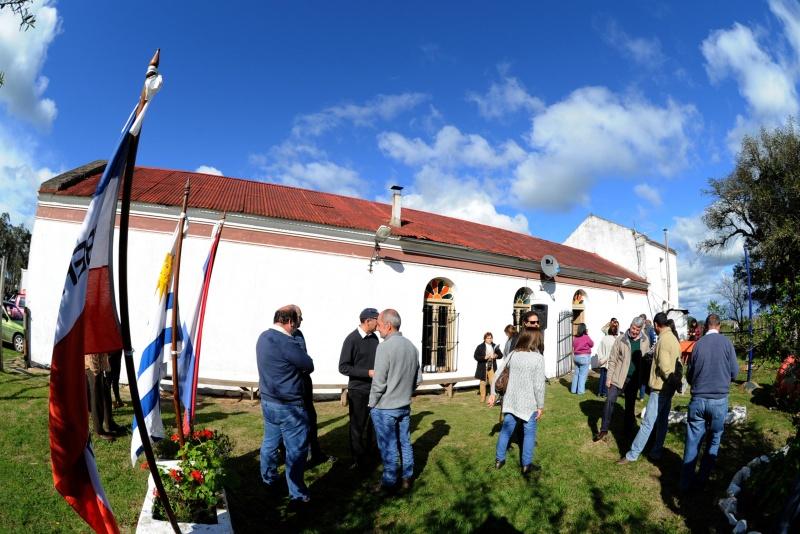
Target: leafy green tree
[(26, 18), (759, 201), (716, 308), (15, 242)]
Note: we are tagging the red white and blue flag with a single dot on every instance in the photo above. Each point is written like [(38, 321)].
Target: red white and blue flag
[(87, 323), (189, 360)]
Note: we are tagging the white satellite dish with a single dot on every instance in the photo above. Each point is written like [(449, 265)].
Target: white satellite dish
[(550, 266)]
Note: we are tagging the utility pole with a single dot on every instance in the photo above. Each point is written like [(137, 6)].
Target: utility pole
[(666, 259)]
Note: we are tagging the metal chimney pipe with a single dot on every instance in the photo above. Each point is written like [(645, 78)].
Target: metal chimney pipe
[(396, 206)]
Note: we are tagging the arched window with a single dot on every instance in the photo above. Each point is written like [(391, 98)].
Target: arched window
[(578, 309), (439, 326), (522, 303)]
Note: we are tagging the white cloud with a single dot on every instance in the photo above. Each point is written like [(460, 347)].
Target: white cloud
[(644, 51), (699, 273), (504, 98), (766, 80), (322, 176), (462, 197), (382, 107), (592, 133), (307, 166), (22, 56), (649, 193), (207, 169), (450, 149), (20, 177)]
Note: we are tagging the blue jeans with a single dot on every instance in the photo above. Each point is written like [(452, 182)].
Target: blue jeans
[(583, 361), (289, 422), (705, 416), (602, 390), (528, 442), (656, 415), (391, 428)]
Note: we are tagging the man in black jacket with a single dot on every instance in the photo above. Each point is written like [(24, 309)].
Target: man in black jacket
[(316, 455), (358, 362)]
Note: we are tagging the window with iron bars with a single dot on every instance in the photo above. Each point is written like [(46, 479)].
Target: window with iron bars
[(439, 337)]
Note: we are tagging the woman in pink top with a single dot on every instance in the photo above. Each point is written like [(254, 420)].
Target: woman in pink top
[(582, 351)]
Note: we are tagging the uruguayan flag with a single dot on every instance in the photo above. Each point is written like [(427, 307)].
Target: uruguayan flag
[(149, 366)]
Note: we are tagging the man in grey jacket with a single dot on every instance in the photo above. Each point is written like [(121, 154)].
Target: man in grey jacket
[(397, 375)]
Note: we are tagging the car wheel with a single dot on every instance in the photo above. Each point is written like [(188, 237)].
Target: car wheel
[(19, 342)]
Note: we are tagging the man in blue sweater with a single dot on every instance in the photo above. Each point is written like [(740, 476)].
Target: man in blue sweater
[(712, 368), (282, 363)]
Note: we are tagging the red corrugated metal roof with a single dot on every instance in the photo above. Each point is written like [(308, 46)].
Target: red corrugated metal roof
[(234, 195)]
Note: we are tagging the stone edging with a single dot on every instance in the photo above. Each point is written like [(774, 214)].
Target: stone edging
[(729, 504)]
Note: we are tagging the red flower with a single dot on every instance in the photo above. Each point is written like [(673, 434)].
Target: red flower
[(175, 437), (197, 476), (176, 476), (144, 466)]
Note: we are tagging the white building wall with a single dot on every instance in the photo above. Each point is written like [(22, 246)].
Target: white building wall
[(618, 244), (250, 281)]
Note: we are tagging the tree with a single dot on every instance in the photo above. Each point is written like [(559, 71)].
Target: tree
[(733, 290), (760, 202), (15, 242), (26, 18), (716, 308)]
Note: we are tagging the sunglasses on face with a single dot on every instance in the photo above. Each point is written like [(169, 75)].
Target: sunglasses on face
[(531, 322)]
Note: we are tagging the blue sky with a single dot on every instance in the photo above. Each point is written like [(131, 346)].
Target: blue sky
[(525, 115)]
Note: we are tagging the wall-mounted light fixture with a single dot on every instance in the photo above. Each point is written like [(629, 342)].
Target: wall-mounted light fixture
[(627, 282), (381, 234)]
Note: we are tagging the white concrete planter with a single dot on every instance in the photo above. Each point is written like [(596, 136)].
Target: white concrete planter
[(148, 525), (729, 505)]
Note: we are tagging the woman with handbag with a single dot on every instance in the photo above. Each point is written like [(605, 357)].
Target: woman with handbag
[(486, 354), (523, 398)]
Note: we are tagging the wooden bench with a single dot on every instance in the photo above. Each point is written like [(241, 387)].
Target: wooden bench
[(448, 384)]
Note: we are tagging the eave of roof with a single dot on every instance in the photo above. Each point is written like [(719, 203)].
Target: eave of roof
[(236, 195)]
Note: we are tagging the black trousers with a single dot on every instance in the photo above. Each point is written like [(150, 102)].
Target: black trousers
[(115, 358), (631, 390), (362, 433), (100, 402), (313, 439)]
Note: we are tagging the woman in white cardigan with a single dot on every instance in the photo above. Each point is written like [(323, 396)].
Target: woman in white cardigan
[(523, 401)]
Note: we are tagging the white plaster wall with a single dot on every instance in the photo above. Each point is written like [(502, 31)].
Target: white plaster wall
[(250, 281), (616, 243), (606, 239)]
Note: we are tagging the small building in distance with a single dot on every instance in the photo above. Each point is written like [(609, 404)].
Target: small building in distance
[(636, 252)]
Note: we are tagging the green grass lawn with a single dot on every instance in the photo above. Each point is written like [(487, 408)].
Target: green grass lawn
[(580, 488)]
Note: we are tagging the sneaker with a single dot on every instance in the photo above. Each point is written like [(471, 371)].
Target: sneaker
[(623, 461), (498, 464), (601, 436), (407, 484)]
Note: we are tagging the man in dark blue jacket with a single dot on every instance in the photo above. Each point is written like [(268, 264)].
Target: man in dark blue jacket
[(712, 368), (282, 362)]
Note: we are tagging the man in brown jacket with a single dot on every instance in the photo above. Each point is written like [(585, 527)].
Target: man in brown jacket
[(663, 381), (624, 368)]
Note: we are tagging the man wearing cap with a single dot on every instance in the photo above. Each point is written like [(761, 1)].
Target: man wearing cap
[(357, 361)]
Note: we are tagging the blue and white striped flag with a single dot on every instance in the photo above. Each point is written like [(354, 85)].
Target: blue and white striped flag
[(149, 366)]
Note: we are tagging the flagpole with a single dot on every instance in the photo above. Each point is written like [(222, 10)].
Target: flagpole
[(125, 317), (176, 276), (201, 319)]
